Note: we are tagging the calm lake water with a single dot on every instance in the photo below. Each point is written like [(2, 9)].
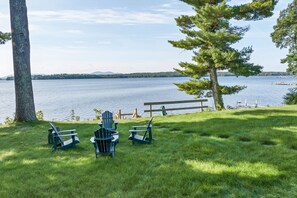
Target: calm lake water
[(56, 98)]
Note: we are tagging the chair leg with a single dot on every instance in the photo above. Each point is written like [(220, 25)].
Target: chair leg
[(113, 148)]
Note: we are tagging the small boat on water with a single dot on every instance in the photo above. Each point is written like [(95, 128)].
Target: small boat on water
[(286, 83)]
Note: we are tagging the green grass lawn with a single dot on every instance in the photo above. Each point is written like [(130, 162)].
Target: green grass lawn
[(242, 153)]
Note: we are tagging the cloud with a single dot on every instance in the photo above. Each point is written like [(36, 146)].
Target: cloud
[(164, 15), (171, 4)]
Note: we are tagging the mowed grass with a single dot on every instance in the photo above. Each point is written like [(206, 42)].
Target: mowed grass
[(241, 153)]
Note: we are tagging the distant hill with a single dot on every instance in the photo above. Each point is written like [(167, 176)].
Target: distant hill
[(103, 73)]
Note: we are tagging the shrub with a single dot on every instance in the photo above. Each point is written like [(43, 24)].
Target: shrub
[(77, 118), (39, 115), (74, 117), (97, 113), (291, 97), (8, 121)]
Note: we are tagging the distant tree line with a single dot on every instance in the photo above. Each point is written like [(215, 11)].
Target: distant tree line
[(134, 75), (96, 76)]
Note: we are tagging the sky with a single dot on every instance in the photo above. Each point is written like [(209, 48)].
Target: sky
[(121, 36)]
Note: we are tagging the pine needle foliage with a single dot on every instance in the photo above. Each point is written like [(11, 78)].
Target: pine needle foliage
[(210, 35), (285, 35), (4, 37), (291, 97)]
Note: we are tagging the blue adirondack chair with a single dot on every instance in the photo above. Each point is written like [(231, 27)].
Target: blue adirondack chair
[(146, 130), (63, 139), (104, 142), (108, 122)]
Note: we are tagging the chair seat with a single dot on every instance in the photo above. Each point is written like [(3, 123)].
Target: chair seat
[(63, 139), (70, 141), (115, 138), (137, 137), (143, 136)]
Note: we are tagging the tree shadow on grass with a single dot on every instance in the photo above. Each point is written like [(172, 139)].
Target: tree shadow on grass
[(263, 111), (173, 165), (267, 145)]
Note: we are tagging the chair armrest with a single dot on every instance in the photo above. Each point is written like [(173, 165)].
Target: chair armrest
[(133, 131), (115, 138), (71, 134), (143, 126), (100, 124), (65, 131), (112, 130)]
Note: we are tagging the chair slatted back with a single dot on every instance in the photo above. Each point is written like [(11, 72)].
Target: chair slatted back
[(148, 130), (103, 139), (57, 133), (107, 120)]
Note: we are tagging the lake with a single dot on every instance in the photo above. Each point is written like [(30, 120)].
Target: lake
[(56, 98)]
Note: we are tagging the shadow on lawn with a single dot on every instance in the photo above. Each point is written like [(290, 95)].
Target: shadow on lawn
[(238, 142), (175, 164), (263, 111)]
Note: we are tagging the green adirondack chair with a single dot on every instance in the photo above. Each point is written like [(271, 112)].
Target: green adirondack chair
[(146, 130), (63, 139), (104, 142)]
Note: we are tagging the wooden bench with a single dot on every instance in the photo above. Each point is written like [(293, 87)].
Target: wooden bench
[(151, 104)]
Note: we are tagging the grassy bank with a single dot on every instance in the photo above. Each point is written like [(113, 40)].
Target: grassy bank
[(248, 153)]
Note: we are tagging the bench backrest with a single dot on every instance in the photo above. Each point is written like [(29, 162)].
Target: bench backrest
[(163, 103)]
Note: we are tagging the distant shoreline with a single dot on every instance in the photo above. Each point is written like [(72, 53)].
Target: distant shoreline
[(132, 75)]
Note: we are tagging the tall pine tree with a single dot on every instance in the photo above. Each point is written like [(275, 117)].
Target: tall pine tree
[(210, 36), (285, 35), (25, 108)]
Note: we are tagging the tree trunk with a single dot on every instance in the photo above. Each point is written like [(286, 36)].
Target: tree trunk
[(216, 93), (25, 109)]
